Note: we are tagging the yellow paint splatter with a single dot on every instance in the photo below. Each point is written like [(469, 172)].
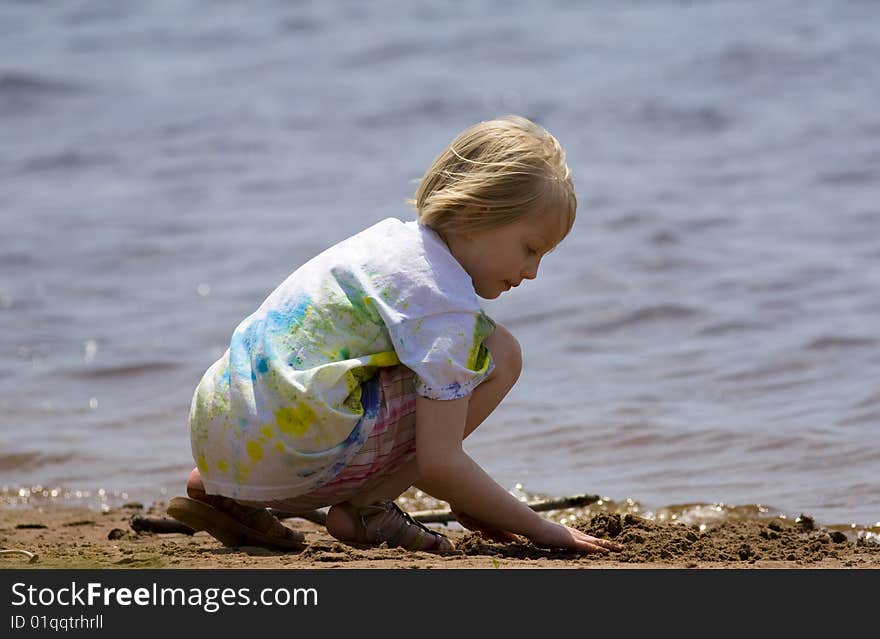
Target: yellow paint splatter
[(222, 466), (254, 450), (353, 401), (241, 472), (202, 463), (294, 420), (387, 358), (267, 430)]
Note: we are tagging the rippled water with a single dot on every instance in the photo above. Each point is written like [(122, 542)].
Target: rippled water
[(708, 334)]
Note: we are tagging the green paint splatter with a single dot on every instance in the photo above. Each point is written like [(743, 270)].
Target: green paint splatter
[(479, 357)]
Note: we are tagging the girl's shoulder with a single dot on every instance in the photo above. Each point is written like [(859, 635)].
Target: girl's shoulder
[(402, 245), (412, 264), (395, 229)]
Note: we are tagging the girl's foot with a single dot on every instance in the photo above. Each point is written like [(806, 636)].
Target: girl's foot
[(381, 522), (260, 520)]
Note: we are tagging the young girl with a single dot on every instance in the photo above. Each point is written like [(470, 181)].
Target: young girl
[(362, 373)]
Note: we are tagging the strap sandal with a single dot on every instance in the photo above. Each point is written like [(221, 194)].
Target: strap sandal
[(386, 522), (259, 528)]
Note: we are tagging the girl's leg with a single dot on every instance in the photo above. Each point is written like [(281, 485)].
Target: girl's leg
[(485, 398)]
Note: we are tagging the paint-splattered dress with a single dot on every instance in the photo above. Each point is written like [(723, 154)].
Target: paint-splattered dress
[(295, 396)]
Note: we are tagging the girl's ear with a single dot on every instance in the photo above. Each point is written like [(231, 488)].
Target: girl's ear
[(469, 210)]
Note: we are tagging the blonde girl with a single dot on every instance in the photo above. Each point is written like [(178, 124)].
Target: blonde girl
[(364, 371)]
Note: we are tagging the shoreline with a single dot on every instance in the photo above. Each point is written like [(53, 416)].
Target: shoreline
[(79, 538)]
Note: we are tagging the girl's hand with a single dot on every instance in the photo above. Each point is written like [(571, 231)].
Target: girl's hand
[(558, 536), (487, 531)]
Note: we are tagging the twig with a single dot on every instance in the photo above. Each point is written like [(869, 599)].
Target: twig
[(542, 505), (167, 525), (141, 523), (32, 557)]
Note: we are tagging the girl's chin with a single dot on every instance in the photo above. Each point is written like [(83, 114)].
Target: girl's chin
[(490, 294), (491, 291)]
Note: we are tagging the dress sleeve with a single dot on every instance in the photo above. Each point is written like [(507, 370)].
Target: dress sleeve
[(446, 351)]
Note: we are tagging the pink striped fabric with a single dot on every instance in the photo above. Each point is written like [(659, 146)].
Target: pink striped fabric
[(391, 444)]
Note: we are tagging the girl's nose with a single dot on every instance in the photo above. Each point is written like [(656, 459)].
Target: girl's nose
[(531, 271)]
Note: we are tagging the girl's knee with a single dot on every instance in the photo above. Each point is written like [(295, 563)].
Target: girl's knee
[(506, 353)]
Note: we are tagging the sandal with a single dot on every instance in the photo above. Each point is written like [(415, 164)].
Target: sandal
[(385, 522), (259, 528)]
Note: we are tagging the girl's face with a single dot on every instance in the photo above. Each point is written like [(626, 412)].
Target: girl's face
[(501, 258)]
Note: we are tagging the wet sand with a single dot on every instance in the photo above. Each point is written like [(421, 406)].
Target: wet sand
[(79, 538)]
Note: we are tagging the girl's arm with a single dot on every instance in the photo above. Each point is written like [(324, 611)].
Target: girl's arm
[(448, 473)]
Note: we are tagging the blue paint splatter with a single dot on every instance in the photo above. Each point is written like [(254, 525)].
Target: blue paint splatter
[(287, 317), (251, 348)]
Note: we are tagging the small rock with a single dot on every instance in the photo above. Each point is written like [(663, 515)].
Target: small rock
[(837, 537), (116, 533), (805, 523), (775, 525)]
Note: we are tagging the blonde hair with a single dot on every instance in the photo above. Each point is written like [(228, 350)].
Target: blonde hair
[(494, 173)]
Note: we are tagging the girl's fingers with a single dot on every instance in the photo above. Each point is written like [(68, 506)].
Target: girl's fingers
[(603, 545), (607, 543)]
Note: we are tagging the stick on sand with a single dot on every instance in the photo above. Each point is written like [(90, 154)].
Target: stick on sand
[(32, 557)]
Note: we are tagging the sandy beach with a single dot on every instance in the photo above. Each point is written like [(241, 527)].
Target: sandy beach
[(78, 538), (701, 339)]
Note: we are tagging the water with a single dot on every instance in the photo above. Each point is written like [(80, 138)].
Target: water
[(708, 334)]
